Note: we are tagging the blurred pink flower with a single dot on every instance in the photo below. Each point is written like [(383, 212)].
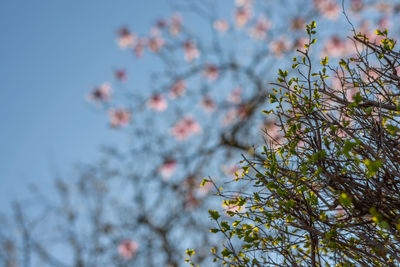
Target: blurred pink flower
[(128, 249), (161, 23), (236, 96), (243, 2), (274, 132), (299, 43), (185, 128), (155, 43), (328, 8), (119, 117), (260, 28), (229, 117), (242, 16), (101, 93), (208, 104), (297, 24), (157, 102), (178, 89), (190, 50), (357, 5), (176, 25), (211, 72), (167, 168), (232, 170), (280, 46), (126, 38), (138, 48), (120, 74), (221, 25), (191, 201), (335, 47)]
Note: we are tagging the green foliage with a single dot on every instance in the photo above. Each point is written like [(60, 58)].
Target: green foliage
[(327, 194)]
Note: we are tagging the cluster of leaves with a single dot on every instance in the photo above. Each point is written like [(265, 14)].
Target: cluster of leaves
[(327, 194)]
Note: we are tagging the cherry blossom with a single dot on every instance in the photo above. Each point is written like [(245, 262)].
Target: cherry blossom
[(101, 93), (155, 43), (232, 171), (236, 96), (211, 72), (280, 46), (243, 2), (357, 5), (221, 25), (335, 47), (208, 104), (274, 132), (176, 25), (128, 249), (185, 128), (157, 102), (167, 168), (139, 46), (297, 24), (260, 28), (229, 117), (191, 51), (178, 89), (328, 8), (300, 42), (121, 75), (119, 117), (191, 201), (126, 38), (242, 16)]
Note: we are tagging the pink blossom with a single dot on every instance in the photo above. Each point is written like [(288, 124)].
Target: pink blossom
[(328, 8), (273, 131), (128, 249), (101, 93), (176, 25), (357, 5), (236, 96), (157, 102), (335, 47), (191, 51), (203, 190), (211, 72), (155, 44), (383, 23), (121, 75), (243, 2), (221, 25), (161, 24), (191, 201), (185, 128), (300, 42), (260, 28), (350, 93), (279, 47), (138, 48), (178, 89), (167, 168), (119, 117), (232, 171), (297, 24), (229, 117), (126, 38), (208, 104), (242, 16)]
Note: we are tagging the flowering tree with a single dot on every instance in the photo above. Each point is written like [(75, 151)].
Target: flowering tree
[(327, 192), (144, 205)]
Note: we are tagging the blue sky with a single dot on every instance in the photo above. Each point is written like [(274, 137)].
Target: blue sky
[(52, 53)]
